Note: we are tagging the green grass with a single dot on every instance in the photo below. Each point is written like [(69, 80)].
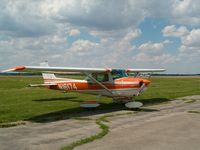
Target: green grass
[(19, 102), (12, 124), (194, 111), (190, 101), (162, 89)]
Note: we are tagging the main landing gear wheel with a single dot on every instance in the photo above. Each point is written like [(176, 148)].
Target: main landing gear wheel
[(132, 105)]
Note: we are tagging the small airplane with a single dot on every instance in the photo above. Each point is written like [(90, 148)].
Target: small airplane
[(114, 83)]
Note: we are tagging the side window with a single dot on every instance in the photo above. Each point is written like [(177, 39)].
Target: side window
[(118, 74), (102, 77)]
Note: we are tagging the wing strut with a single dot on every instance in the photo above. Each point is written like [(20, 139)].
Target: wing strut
[(99, 83)]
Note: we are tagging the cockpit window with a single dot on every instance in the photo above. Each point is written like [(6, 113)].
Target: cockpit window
[(117, 73), (101, 77)]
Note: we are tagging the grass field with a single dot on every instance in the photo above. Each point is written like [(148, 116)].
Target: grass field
[(19, 102)]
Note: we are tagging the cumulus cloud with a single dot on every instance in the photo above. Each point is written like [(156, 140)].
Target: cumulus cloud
[(190, 46), (34, 30), (38, 18), (74, 32), (101, 14), (109, 15), (154, 54), (30, 50), (41, 17), (24, 18), (188, 38), (173, 31), (153, 48), (149, 46), (192, 39), (82, 46), (186, 12), (189, 50), (111, 52), (155, 59), (124, 43)]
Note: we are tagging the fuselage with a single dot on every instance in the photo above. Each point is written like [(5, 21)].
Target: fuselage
[(121, 87)]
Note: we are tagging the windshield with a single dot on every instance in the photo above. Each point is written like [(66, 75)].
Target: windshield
[(117, 73)]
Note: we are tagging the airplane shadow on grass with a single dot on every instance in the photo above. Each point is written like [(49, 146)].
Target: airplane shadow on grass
[(83, 112), (59, 99)]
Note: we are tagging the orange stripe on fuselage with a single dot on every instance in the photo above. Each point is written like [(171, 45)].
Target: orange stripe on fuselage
[(92, 86), (73, 84)]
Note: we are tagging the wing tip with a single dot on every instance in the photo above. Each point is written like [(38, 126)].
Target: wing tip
[(17, 68)]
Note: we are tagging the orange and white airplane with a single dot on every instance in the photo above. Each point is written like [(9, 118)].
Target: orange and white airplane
[(114, 83)]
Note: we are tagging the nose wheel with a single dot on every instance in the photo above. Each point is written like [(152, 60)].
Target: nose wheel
[(132, 105)]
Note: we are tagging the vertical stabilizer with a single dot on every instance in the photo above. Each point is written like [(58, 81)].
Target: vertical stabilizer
[(47, 76)]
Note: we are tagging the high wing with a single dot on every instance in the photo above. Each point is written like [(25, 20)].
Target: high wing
[(55, 69), (72, 69)]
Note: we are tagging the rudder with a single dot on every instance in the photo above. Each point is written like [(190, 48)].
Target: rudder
[(47, 76)]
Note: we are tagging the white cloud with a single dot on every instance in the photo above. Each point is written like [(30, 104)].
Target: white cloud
[(153, 48), (30, 50), (192, 39), (24, 18), (104, 15), (111, 52), (82, 46), (154, 54), (124, 43), (190, 47), (186, 12), (132, 34), (172, 30), (155, 59), (28, 18), (189, 39), (35, 43), (74, 32), (31, 31)]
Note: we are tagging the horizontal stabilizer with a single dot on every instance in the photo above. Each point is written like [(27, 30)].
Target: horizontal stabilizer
[(42, 85)]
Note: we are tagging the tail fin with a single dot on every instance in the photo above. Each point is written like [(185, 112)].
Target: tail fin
[(47, 76)]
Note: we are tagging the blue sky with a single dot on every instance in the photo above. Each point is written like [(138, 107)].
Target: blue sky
[(101, 33)]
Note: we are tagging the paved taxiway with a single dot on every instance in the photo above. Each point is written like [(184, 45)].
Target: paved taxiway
[(170, 127)]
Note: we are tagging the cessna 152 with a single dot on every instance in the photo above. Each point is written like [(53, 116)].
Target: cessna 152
[(114, 83)]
